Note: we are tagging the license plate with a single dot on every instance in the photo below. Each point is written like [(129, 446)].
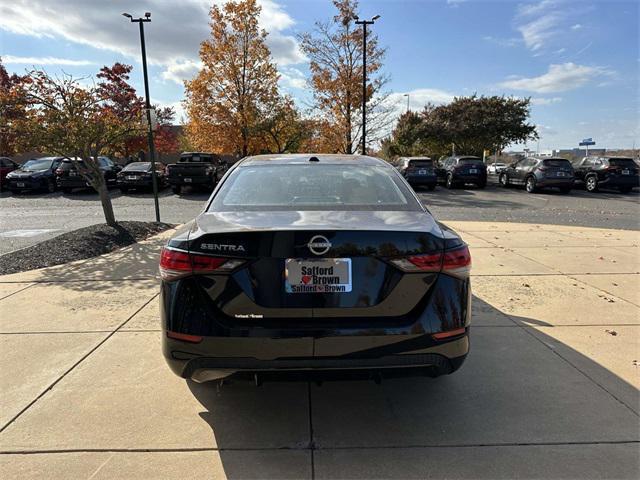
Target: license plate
[(131, 177), (324, 275), (422, 172), (187, 180), (20, 184), (473, 170), (625, 172)]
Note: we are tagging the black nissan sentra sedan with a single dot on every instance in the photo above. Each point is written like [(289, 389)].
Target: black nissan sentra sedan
[(310, 265)]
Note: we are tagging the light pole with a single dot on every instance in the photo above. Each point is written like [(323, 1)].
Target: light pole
[(364, 24), (407, 95), (147, 103)]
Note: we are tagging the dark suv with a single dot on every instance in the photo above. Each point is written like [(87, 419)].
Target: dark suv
[(620, 173), (68, 177), (536, 173), (459, 170), (418, 171)]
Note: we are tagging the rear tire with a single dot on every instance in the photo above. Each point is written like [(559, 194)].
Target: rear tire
[(591, 184), (625, 189), (481, 185), (530, 184), (504, 180), (176, 189), (450, 185), (431, 188)]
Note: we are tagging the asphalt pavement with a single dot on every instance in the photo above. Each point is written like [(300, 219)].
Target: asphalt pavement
[(31, 218)]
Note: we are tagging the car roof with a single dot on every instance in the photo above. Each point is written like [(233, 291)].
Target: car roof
[(460, 157), (305, 158), (418, 158)]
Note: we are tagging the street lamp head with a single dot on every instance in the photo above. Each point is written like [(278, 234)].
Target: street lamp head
[(147, 14), (128, 15), (356, 18), (375, 18)]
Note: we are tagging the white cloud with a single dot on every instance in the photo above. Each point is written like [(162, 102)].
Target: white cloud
[(418, 98), (292, 78), (178, 71), (455, 3), (559, 78), (180, 115), (577, 26), (545, 100), (173, 36), (11, 59), (503, 42), (537, 32)]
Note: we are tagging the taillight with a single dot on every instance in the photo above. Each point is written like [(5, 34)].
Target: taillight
[(175, 264), (456, 262), (449, 334), (184, 337)]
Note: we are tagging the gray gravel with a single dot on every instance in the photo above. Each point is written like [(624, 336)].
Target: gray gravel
[(30, 218)]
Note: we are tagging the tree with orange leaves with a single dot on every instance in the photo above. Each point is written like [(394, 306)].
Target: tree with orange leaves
[(226, 100), (334, 49)]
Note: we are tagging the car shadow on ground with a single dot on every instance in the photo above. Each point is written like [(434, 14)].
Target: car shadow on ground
[(516, 408)]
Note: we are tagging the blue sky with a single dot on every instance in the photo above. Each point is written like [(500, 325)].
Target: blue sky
[(579, 61)]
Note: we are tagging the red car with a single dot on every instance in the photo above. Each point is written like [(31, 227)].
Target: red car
[(6, 165)]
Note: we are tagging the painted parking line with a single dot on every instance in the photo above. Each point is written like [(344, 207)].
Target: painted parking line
[(25, 233)]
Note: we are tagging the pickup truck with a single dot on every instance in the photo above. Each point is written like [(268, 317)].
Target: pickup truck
[(194, 169)]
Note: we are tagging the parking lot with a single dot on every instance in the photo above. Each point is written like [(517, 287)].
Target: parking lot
[(550, 388), (30, 218)]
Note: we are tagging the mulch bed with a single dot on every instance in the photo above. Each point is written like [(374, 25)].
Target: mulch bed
[(79, 244)]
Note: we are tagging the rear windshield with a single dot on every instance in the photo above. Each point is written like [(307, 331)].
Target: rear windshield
[(37, 165), (313, 187), (204, 158), (420, 163), (622, 162), (470, 161), (138, 167), (557, 163)]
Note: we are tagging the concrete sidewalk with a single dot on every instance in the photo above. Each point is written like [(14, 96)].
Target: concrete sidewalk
[(549, 390)]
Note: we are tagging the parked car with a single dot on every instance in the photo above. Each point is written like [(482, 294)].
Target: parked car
[(6, 165), (68, 177), (496, 168), (194, 169), (418, 171), (34, 174), (537, 173), (620, 173), (137, 175), (462, 169), (314, 264)]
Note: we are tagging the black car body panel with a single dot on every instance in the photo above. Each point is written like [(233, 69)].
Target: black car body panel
[(461, 170), (68, 177), (418, 171), (537, 173), (194, 169), (137, 175), (246, 321), (35, 174), (620, 173), (6, 166)]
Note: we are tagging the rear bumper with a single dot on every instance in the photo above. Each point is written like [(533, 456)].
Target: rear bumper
[(142, 183), (26, 184), (198, 181), (421, 179), (543, 182), (438, 360), (620, 181), (469, 178)]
